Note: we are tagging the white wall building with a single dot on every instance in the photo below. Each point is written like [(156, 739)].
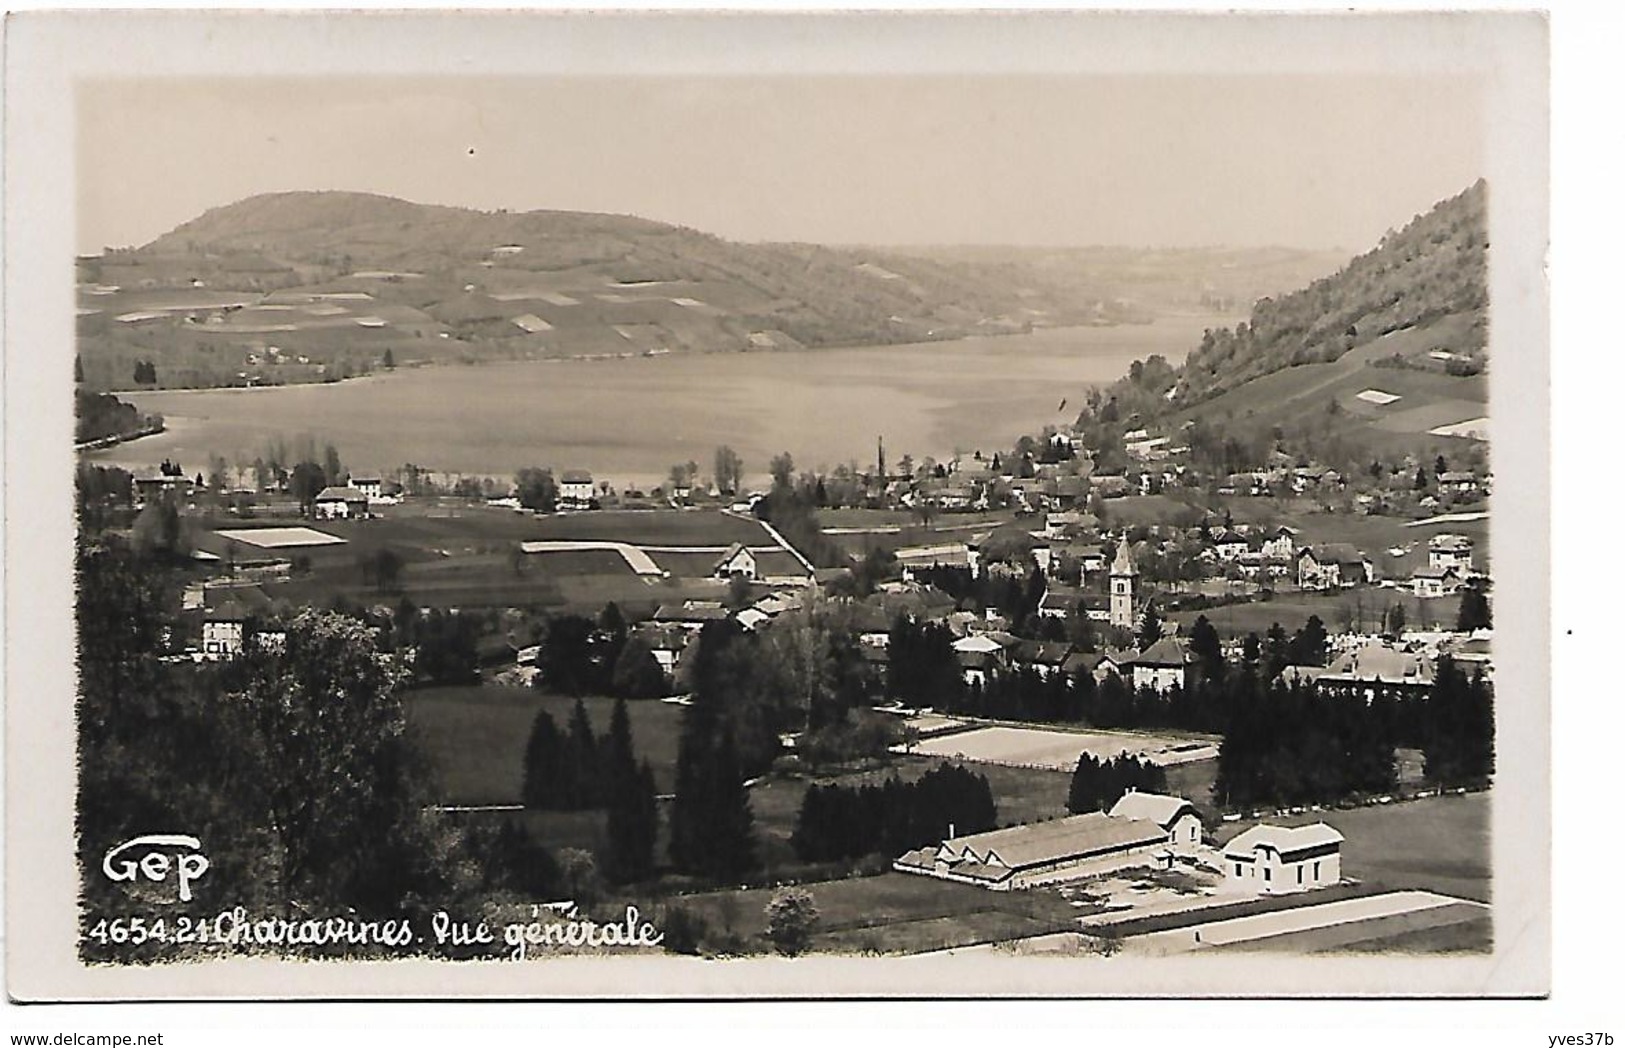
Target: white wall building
[(1273, 860)]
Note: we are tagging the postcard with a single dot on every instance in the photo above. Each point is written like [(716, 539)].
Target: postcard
[(776, 505)]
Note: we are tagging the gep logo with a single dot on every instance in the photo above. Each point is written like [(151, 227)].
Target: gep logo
[(157, 856)]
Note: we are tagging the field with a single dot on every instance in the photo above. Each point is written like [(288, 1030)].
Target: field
[(1439, 844), (895, 913), (1361, 606), (459, 554), (696, 527), (476, 735), (1427, 399), (1059, 749)]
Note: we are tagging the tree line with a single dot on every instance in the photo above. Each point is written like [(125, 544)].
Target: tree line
[(576, 769), (889, 818), (1098, 784)]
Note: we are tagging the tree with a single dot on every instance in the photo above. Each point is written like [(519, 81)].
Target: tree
[(1207, 649), (159, 530), (1474, 611), (565, 660), (323, 753), (545, 771), (1150, 630), (783, 469), (332, 468), (792, 915), (389, 358), (386, 569), (636, 674), (536, 489), (305, 483), (727, 469), (632, 820)]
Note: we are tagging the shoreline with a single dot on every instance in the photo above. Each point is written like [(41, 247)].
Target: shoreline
[(1218, 320)]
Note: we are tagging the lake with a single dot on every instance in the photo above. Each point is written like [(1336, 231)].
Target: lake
[(631, 420)]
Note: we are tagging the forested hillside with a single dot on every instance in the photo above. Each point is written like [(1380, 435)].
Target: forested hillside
[(1386, 356), (1434, 267)]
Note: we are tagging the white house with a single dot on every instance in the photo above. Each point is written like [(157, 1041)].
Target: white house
[(370, 486), (738, 562), (1435, 582), (1332, 566), (1176, 815), (575, 489), (340, 504), (1281, 543), (1273, 860), (1164, 664), (233, 617), (1230, 545), (1451, 551)]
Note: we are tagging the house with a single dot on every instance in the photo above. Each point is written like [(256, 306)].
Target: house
[(1046, 658), (340, 504), (1280, 543), (690, 616), (948, 554), (1273, 860), (370, 486), (1230, 545), (1110, 487), (1176, 815), (1036, 853), (1008, 544), (1163, 665), (1451, 551), (1377, 667), (1459, 483), (1435, 582), (1059, 603), (666, 643), (575, 489), (1332, 566), (980, 655), (235, 617), (737, 563)]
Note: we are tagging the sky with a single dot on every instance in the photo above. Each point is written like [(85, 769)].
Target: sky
[(1317, 162)]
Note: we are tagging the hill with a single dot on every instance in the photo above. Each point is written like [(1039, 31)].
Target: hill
[(310, 286), (1385, 357)]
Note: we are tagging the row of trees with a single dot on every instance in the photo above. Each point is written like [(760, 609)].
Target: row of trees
[(1098, 784), (847, 822), (1287, 744), (576, 769)]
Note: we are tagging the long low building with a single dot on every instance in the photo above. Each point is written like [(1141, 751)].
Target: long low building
[(1020, 856)]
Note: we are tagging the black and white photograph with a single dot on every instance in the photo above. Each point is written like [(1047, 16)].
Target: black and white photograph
[(786, 506)]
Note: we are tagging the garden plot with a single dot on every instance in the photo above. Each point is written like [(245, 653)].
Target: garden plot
[(281, 538), (1044, 748)]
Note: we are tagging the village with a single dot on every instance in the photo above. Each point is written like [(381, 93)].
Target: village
[(1082, 616)]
